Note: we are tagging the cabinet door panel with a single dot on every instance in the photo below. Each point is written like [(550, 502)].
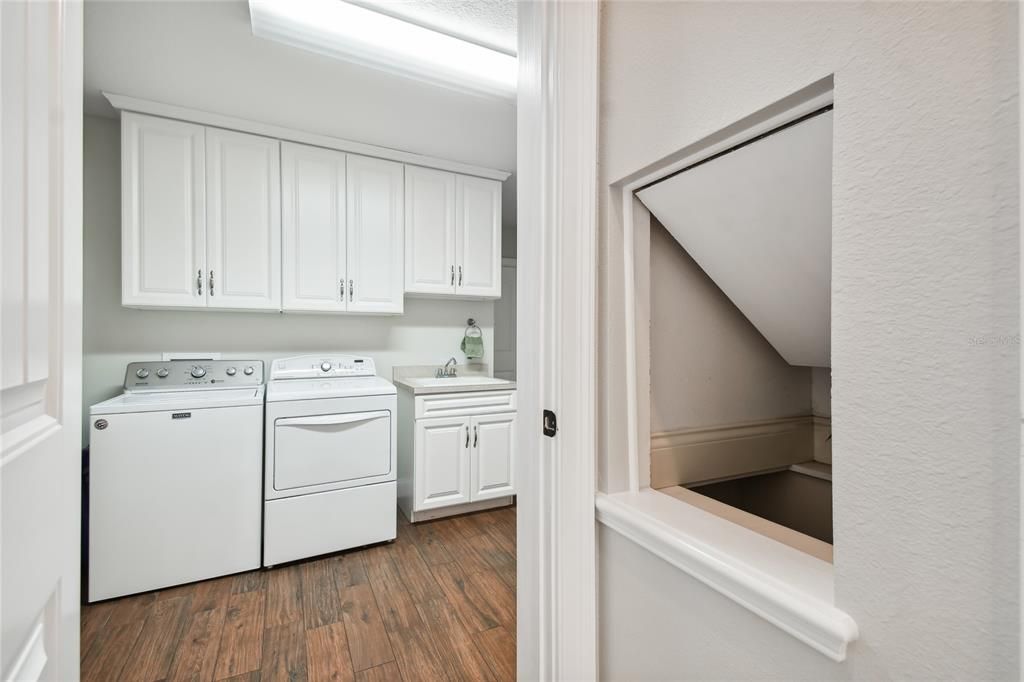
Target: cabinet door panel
[(493, 461), (478, 226), (243, 245), (313, 217), (442, 468), (375, 244), (429, 231), (163, 222)]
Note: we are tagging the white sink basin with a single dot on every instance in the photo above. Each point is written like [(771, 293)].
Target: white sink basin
[(432, 382)]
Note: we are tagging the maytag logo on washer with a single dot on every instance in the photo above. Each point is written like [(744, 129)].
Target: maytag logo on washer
[(100, 424), (181, 415)]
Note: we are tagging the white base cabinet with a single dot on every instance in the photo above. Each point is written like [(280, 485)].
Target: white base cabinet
[(456, 460)]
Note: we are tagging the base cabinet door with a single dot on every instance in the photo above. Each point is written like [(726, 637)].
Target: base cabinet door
[(493, 461), (243, 221), (442, 462)]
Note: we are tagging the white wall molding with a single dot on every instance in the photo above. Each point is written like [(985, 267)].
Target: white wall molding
[(557, 253), (142, 106), (783, 585)]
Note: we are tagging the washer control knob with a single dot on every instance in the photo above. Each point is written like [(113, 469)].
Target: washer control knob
[(231, 371), (248, 370), (142, 373), (325, 367), (162, 373), (198, 372)]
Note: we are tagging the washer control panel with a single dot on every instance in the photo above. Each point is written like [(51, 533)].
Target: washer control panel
[(181, 375), (318, 366)]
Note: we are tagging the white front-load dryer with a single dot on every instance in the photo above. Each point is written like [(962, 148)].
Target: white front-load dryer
[(330, 457)]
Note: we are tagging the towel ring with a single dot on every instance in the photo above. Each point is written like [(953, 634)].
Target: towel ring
[(471, 328)]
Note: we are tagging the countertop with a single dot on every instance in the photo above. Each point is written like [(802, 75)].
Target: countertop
[(461, 384)]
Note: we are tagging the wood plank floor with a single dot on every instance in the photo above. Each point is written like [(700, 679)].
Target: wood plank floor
[(436, 604)]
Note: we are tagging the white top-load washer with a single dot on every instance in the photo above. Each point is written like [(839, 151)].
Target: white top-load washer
[(330, 457), (175, 465)]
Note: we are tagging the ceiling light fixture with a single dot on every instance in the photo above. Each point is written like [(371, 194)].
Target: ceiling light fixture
[(340, 29)]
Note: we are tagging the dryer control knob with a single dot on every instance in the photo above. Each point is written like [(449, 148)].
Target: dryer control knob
[(162, 373), (231, 371), (142, 373), (325, 367), (248, 370), (198, 372)]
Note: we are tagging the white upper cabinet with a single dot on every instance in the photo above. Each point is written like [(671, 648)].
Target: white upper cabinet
[(478, 246), (452, 233), (375, 243), (313, 216), (429, 231), (163, 222), (243, 221)]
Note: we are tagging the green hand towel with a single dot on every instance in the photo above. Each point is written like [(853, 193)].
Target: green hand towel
[(473, 346)]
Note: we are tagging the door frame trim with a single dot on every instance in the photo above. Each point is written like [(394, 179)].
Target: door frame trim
[(557, 119)]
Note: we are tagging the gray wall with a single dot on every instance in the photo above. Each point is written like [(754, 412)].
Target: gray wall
[(925, 295)]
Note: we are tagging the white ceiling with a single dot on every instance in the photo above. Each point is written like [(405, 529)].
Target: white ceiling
[(491, 23)]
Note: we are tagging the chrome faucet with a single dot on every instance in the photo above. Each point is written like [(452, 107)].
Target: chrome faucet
[(447, 371)]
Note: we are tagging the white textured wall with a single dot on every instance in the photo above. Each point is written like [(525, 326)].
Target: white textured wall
[(202, 54), (710, 365), (428, 333), (924, 286)]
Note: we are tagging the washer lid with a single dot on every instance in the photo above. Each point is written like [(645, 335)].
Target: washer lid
[(306, 389), (156, 401)]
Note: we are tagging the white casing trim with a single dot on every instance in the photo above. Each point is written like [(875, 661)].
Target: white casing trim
[(737, 563), (142, 106)]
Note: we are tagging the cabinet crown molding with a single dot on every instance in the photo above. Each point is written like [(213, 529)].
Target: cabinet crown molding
[(142, 106)]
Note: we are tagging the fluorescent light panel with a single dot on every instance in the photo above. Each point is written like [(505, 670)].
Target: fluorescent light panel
[(346, 31)]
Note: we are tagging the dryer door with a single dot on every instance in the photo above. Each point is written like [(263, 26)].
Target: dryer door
[(341, 449)]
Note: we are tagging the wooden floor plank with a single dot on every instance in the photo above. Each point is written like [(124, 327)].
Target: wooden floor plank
[(94, 622), (154, 649), (327, 657), (284, 596), (463, 550), (349, 570), (251, 581), (241, 643), (474, 608), (499, 650), (499, 596), (430, 544), (368, 643), (387, 672), (416, 575), (196, 658), (462, 659), (108, 655), (320, 604), (212, 594), (284, 653)]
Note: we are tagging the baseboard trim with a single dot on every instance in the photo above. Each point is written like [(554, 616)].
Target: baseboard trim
[(441, 512), (695, 455)]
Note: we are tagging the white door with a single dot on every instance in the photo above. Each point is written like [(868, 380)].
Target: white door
[(478, 226), (243, 223), (313, 228), (442, 470), (41, 339), (163, 214), (376, 275), (429, 231), (493, 460)]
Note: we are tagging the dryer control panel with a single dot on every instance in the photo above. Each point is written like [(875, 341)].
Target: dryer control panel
[(184, 375), (320, 366)]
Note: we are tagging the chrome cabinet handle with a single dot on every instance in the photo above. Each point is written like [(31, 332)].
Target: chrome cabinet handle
[(460, 275), (211, 282), (467, 436), (341, 290), (351, 290), (476, 435), (199, 282), (453, 275)]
